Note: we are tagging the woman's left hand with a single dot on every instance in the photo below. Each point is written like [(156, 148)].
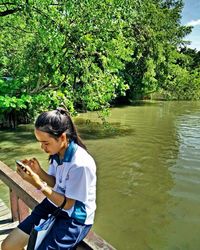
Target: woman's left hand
[(28, 175)]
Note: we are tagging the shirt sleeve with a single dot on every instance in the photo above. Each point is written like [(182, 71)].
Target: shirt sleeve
[(78, 184)]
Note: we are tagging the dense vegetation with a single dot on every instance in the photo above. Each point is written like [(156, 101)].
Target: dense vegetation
[(89, 54)]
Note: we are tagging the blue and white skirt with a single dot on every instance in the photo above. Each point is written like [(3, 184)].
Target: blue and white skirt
[(66, 232)]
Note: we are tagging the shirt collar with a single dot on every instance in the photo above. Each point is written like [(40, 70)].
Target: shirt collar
[(69, 153)]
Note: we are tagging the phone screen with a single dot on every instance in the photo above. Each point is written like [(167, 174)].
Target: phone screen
[(21, 164)]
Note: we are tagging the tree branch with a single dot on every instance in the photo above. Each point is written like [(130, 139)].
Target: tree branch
[(42, 88), (4, 4), (8, 12)]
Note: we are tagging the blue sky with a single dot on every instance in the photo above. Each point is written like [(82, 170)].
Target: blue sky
[(191, 16)]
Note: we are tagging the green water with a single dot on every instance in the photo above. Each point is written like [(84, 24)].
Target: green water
[(148, 173)]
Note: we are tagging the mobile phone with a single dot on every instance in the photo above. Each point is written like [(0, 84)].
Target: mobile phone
[(21, 164)]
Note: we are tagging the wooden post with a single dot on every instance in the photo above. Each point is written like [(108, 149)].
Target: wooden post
[(19, 209), (14, 206)]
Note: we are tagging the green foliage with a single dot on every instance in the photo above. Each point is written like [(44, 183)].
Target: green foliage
[(67, 52), (158, 35), (86, 54)]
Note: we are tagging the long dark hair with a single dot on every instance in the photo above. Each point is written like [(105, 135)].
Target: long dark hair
[(57, 122)]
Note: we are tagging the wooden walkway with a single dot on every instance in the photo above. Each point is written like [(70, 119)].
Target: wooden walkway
[(6, 224)]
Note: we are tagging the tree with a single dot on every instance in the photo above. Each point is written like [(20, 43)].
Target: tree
[(67, 52), (157, 35), (85, 54)]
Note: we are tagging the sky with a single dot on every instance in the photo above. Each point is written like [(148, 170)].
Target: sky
[(191, 16)]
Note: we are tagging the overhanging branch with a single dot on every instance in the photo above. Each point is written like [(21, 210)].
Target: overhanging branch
[(8, 12)]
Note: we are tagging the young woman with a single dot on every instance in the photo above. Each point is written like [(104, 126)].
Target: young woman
[(71, 174)]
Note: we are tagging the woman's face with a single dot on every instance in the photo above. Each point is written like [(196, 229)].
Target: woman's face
[(49, 144)]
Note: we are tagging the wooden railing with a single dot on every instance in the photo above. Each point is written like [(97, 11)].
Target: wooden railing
[(23, 198)]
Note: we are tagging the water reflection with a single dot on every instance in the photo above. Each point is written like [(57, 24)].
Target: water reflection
[(134, 178), (186, 173), (136, 206)]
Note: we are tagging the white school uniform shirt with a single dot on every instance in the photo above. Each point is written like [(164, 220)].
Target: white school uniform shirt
[(76, 179)]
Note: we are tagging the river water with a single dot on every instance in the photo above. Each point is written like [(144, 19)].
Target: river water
[(148, 191)]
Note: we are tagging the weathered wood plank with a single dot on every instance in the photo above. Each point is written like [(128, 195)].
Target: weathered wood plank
[(23, 189), (6, 224)]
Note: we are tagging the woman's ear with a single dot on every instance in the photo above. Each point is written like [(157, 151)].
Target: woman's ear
[(64, 137)]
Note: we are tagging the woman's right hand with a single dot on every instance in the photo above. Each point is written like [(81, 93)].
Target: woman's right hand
[(34, 165), (36, 168)]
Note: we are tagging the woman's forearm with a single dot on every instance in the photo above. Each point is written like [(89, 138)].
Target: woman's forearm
[(49, 179), (55, 197)]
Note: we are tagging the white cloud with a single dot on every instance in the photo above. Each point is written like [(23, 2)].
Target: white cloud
[(194, 45), (193, 23)]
